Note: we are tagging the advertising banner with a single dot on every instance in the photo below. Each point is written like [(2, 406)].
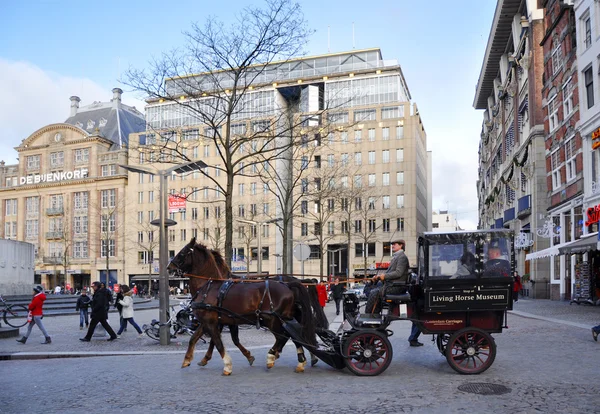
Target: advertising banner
[(176, 203)]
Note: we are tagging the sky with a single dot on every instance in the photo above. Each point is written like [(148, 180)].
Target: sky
[(53, 49)]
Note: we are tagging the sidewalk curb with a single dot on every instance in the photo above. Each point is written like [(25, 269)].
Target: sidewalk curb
[(553, 320)]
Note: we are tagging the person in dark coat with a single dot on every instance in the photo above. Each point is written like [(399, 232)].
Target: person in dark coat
[(100, 306), (119, 307), (337, 290), (83, 304)]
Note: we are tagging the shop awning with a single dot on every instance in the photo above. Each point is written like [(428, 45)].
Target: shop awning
[(550, 251), (584, 244)]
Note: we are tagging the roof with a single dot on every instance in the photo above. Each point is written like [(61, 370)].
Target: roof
[(500, 34), (113, 123)]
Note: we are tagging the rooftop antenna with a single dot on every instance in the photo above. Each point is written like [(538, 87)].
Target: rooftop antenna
[(353, 36), (328, 39)]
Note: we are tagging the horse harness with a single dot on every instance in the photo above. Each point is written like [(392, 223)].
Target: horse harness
[(223, 290)]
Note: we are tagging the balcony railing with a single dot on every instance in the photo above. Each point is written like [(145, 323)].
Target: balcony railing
[(52, 259), (524, 206), (509, 215), (54, 235), (55, 211)]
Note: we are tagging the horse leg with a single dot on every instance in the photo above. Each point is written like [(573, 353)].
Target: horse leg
[(274, 352), (215, 334), (208, 355), (301, 358), (189, 355), (313, 359), (235, 337)]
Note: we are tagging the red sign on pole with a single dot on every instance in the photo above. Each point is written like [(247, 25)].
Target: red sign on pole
[(176, 203)]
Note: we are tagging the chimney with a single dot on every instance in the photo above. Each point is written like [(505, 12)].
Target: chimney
[(74, 105), (116, 100)]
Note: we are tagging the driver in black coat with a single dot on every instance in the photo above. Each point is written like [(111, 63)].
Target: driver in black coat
[(496, 266)]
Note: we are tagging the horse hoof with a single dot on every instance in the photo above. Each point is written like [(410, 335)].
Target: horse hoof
[(202, 363), (269, 366), (185, 365), (251, 360), (226, 374), (313, 362)]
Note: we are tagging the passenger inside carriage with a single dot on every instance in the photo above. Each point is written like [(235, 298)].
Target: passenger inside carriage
[(496, 265), (466, 269)]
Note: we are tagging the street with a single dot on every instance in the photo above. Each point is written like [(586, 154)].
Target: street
[(547, 367)]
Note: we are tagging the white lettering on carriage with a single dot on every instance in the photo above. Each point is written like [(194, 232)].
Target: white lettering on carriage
[(491, 297)]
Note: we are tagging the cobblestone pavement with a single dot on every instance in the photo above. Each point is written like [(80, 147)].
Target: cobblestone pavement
[(548, 366)]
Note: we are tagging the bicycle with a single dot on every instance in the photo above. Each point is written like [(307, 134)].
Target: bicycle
[(14, 315), (181, 322)]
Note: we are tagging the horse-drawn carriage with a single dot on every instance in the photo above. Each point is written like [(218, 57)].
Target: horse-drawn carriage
[(463, 295)]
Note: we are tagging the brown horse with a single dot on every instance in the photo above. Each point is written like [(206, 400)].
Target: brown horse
[(269, 304)]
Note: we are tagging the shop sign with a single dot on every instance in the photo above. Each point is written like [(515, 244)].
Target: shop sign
[(239, 267), (593, 215), (54, 177), (596, 139), (176, 203), (382, 265)]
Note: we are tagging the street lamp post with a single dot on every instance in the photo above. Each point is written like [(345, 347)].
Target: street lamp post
[(259, 239), (163, 222)]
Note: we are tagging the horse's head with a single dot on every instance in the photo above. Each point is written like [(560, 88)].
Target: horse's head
[(183, 261)]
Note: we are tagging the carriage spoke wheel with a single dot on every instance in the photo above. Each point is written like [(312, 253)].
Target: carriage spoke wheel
[(470, 351), (367, 353), (442, 342)]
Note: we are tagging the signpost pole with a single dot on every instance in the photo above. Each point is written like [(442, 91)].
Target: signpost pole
[(163, 281)]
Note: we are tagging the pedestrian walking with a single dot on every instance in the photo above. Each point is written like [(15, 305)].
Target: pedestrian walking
[(517, 286), (83, 304), (337, 290), (119, 307), (322, 293), (127, 306), (595, 332), (36, 314), (100, 308)]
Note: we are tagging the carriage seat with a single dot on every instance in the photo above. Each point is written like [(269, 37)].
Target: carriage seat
[(402, 297)]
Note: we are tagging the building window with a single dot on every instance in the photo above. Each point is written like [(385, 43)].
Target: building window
[(32, 205), (357, 226), (241, 189), (568, 98), (589, 86), (358, 203), (80, 224), (371, 203), (399, 132), (400, 178), (357, 135), (10, 207), (587, 31), (371, 134), (108, 245), (109, 198), (570, 155), (344, 227), (140, 237), (400, 224), (57, 159), (553, 113), (358, 181), (304, 229), (510, 195), (400, 201), (344, 137), (345, 159), (555, 165), (372, 224), (358, 158), (317, 230), (399, 155), (385, 225), (385, 156), (33, 162), (330, 160), (31, 229), (109, 170), (82, 155), (557, 58), (385, 134), (371, 157), (385, 177), (81, 200), (80, 250), (386, 202), (372, 180)]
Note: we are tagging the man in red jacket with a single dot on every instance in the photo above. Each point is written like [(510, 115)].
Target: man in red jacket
[(36, 314)]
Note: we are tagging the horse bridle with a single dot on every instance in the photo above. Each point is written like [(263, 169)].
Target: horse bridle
[(179, 263)]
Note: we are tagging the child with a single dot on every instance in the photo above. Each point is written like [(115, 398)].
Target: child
[(36, 313), (83, 303), (127, 303)]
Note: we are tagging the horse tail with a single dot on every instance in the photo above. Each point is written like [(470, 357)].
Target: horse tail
[(318, 312), (304, 312)]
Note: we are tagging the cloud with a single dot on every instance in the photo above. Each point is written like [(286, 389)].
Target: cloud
[(33, 98)]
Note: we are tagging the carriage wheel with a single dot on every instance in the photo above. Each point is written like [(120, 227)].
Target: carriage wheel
[(367, 353), (470, 351), (442, 342)]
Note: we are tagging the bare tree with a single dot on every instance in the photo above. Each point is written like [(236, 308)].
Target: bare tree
[(147, 242), (232, 62)]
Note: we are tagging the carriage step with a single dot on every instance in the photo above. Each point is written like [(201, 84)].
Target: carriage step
[(404, 297), (369, 320)]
